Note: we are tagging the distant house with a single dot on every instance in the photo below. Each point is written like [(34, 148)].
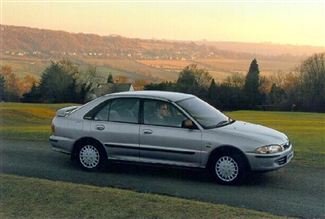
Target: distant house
[(108, 88)]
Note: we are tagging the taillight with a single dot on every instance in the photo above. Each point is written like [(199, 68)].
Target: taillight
[(53, 128)]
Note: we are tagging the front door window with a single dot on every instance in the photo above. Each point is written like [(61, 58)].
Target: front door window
[(161, 113)]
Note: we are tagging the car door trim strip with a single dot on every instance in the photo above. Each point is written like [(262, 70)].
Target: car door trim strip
[(149, 149)]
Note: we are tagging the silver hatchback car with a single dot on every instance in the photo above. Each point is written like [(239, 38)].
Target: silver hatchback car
[(167, 128)]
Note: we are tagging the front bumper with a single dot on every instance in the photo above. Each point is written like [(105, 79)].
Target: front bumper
[(268, 162), (61, 144)]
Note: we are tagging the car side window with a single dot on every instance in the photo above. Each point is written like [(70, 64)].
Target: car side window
[(124, 110), (156, 112), (102, 114)]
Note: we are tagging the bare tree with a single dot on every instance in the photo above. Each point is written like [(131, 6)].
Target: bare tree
[(312, 82)]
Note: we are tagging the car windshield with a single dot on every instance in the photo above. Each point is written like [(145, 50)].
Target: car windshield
[(204, 113)]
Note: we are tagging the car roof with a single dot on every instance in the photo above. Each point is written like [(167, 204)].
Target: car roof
[(167, 95)]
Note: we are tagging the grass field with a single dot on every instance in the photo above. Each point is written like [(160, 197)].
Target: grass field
[(28, 66), (151, 69), (23, 197), (27, 121), (220, 68), (267, 67), (132, 66), (306, 130)]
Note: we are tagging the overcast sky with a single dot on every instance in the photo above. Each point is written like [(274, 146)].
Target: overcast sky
[(285, 22)]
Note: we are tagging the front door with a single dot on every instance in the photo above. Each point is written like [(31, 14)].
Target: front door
[(162, 138)]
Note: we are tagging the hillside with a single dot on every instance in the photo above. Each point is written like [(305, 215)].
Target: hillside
[(29, 50)]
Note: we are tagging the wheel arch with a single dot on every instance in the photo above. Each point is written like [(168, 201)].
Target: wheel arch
[(227, 148), (84, 140)]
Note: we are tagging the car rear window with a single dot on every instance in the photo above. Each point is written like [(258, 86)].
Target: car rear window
[(116, 110), (124, 110)]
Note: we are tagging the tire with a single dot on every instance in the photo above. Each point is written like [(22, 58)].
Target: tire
[(91, 156), (228, 168)]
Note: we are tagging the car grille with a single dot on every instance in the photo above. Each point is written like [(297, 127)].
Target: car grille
[(281, 160)]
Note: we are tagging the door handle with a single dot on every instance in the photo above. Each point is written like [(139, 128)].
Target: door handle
[(147, 131), (100, 127)]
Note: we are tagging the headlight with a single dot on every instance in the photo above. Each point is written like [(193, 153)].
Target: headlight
[(270, 149)]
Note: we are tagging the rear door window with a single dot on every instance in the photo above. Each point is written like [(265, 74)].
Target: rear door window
[(124, 110), (102, 114)]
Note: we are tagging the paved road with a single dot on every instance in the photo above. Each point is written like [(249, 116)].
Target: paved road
[(291, 191)]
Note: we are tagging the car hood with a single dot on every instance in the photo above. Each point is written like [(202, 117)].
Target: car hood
[(259, 134)]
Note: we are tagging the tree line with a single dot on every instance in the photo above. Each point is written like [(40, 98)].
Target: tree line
[(60, 82), (303, 89)]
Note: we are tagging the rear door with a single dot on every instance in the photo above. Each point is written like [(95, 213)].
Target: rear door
[(116, 125), (162, 138)]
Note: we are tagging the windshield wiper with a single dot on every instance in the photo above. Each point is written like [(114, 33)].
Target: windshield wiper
[(222, 123)]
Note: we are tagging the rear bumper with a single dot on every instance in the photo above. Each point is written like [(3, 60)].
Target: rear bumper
[(61, 144), (268, 162)]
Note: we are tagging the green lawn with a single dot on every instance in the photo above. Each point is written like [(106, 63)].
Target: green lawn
[(23, 197), (21, 121), (306, 130)]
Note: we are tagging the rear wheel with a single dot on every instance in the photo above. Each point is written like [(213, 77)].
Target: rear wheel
[(91, 156), (228, 168)]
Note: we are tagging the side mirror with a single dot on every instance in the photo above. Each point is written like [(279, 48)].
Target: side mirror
[(187, 123)]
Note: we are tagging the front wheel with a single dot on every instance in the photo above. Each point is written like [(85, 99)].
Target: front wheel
[(228, 168)]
